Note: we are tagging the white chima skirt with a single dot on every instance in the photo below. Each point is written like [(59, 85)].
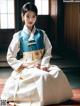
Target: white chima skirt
[(35, 87)]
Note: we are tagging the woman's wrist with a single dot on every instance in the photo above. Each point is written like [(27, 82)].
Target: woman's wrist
[(20, 68)]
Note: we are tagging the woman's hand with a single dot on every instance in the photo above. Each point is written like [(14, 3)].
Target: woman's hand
[(44, 68), (25, 65), (37, 65), (20, 69)]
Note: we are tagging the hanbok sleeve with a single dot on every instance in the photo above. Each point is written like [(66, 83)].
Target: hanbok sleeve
[(12, 52), (47, 55)]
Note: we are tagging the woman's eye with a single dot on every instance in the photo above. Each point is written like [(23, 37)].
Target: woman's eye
[(33, 16), (27, 16)]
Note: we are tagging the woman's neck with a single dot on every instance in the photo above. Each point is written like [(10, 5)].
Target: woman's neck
[(30, 28)]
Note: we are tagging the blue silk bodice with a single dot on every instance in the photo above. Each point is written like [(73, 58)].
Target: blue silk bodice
[(37, 44)]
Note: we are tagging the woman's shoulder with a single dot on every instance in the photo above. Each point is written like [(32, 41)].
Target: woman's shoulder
[(17, 34), (40, 30)]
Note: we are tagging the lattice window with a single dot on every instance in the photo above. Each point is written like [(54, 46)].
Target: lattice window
[(7, 14), (43, 7)]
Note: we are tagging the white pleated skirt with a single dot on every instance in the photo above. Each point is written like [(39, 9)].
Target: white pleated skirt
[(35, 87)]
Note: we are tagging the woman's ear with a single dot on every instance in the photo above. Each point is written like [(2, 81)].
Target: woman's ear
[(22, 16)]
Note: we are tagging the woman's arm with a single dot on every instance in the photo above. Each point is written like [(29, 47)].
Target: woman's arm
[(48, 47), (13, 49)]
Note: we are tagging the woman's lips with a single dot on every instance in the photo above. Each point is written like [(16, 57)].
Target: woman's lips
[(30, 22)]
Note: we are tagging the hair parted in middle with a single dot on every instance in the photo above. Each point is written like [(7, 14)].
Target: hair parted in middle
[(29, 6)]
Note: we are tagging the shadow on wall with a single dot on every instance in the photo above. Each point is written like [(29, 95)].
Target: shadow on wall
[(5, 38)]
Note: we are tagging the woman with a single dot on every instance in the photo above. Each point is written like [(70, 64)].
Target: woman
[(34, 81)]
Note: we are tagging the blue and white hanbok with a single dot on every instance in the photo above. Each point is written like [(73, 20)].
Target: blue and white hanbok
[(33, 86)]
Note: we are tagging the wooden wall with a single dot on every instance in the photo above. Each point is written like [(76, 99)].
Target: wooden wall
[(72, 27), (53, 14), (5, 38), (65, 27), (57, 26)]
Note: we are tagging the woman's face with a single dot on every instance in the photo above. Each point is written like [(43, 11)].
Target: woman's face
[(29, 19)]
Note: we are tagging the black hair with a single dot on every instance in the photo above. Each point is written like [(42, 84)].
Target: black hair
[(29, 6)]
